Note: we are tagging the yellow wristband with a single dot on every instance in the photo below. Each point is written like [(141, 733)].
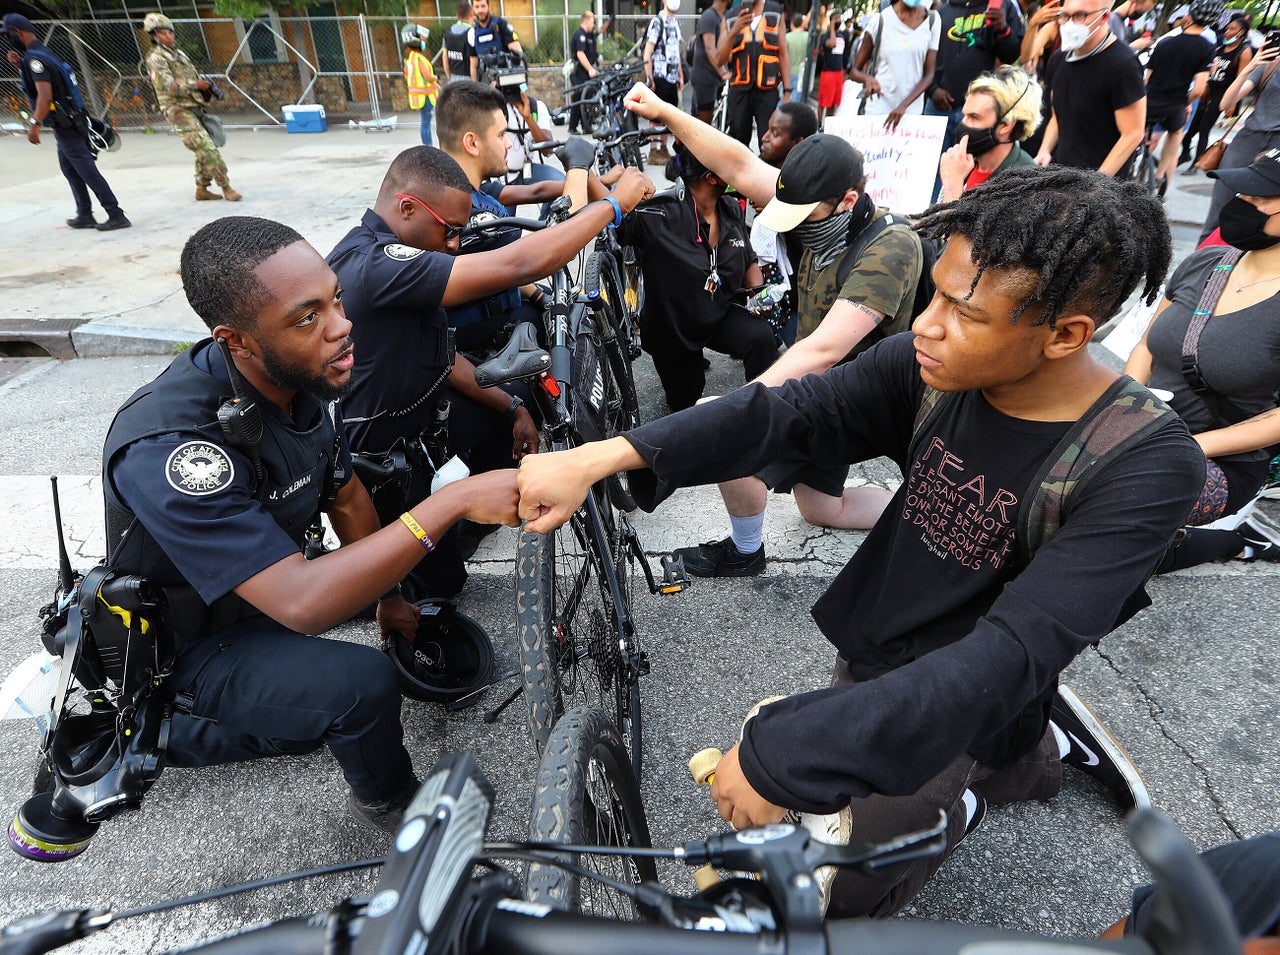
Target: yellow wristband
[(416, 530)]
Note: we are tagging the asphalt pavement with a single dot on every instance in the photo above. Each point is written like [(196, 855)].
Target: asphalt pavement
[(1189, 685)]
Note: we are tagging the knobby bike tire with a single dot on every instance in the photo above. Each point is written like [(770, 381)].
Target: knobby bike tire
[(633, 297), (571, 637), (587, 794), (621, 403)]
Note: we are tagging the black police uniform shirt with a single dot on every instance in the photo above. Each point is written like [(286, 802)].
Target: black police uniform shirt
[(391, 293), (494, 308), (494, 36), (674, 244), (205, 519), (41, 65), (954, 640), (583, 42)]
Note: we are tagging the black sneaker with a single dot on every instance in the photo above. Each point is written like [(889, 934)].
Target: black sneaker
[(117, 221), (1095, 752), (83, 221), (1261, 537), (721, 559), (384, 815)]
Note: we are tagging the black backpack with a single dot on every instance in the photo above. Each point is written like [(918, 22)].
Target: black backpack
[(924, 286)]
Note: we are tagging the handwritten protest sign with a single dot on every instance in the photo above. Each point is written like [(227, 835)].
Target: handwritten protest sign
[(901, 163)]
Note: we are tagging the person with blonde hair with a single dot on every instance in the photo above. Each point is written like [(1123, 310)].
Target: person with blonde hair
[(1001, 110)]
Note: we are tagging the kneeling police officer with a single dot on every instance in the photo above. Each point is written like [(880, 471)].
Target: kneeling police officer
[(204, 492)]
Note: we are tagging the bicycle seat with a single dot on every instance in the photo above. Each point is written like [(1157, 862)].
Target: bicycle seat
[(521, 357)]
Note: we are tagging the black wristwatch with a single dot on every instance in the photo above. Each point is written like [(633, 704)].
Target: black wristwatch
[(516, 404)]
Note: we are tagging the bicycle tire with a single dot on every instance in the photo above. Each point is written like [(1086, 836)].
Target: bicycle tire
[(587, 794), (570, 636), (633, 296), (622, 404)]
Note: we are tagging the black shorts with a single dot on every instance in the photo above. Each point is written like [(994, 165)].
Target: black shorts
[(704, 95), (1168, 116), (827, 479), (667, 92)]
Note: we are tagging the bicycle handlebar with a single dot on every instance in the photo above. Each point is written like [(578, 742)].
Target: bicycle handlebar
[(428, 889), (647, 133)]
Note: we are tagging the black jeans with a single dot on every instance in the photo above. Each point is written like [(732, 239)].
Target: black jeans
[(259, 689), (741, 335)]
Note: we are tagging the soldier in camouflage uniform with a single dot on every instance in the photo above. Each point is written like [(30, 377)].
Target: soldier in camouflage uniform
[(178, 87)]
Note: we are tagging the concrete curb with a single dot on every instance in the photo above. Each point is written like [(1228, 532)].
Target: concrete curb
[(113, 341)]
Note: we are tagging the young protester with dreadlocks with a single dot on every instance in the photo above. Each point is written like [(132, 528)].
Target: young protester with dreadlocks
[(977, 586)]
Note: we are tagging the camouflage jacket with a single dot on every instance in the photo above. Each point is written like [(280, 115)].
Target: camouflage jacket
[(174, 78), (884, 278)]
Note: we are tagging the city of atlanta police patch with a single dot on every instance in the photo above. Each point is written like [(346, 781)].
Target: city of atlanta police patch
[(401, 253), (199, 468)]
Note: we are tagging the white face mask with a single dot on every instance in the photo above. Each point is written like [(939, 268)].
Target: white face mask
[(673, 5), (1076, 35)]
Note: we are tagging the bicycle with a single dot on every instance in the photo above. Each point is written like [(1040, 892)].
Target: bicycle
[(574, 624), (1142, 165), (599, 100), (720, 112), (443, 890)]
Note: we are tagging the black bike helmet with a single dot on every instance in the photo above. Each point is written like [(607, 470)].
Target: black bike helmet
[(450, 657), (1206, 12)]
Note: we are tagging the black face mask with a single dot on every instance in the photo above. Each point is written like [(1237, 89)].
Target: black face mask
[(16, 42), (1242, 226), (980, 140)]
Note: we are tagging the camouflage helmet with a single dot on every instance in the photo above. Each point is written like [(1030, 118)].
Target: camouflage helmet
[(156, 21)]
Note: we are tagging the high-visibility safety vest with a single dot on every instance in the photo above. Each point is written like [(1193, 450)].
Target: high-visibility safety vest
[(754, 56), (419, 80)]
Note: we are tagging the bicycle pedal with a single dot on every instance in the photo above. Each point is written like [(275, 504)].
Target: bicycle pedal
[(674, 577)]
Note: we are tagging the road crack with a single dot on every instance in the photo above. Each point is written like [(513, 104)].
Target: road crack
[(1156, 711)]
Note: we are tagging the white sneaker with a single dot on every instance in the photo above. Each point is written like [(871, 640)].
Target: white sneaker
[(834, 829)]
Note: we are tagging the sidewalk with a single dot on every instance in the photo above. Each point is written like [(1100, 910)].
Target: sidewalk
[(124, 286)]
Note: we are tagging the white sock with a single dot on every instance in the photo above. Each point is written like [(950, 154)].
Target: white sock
[(748, 532), (970, 800), (1064, 744), (1247, 553)]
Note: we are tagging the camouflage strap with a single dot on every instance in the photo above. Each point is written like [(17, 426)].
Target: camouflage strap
[(930, 403), (1123, 416)]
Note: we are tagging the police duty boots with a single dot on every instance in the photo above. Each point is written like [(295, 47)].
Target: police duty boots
[(228, 193), (203, 193), (116, 220)]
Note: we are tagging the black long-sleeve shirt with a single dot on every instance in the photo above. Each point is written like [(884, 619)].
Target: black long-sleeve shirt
[(957, 646)]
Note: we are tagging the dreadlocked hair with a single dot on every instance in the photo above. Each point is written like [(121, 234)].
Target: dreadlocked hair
[(217, 267), (1087, 239)]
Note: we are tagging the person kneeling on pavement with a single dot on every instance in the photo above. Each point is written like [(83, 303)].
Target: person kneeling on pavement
[(399, 270), (980, 583), (696, 258), (193, 505)]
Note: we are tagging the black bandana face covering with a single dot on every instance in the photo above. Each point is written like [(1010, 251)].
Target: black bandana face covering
[(827, 237), (1242, 223)]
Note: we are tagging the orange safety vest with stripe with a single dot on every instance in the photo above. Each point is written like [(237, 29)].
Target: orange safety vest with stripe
[(420, 80), (754, 57)]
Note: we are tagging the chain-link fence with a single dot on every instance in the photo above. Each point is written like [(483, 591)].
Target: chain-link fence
[(351, 65)]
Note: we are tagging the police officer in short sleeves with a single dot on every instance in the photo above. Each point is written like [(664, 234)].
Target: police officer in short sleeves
[(218, 520)]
